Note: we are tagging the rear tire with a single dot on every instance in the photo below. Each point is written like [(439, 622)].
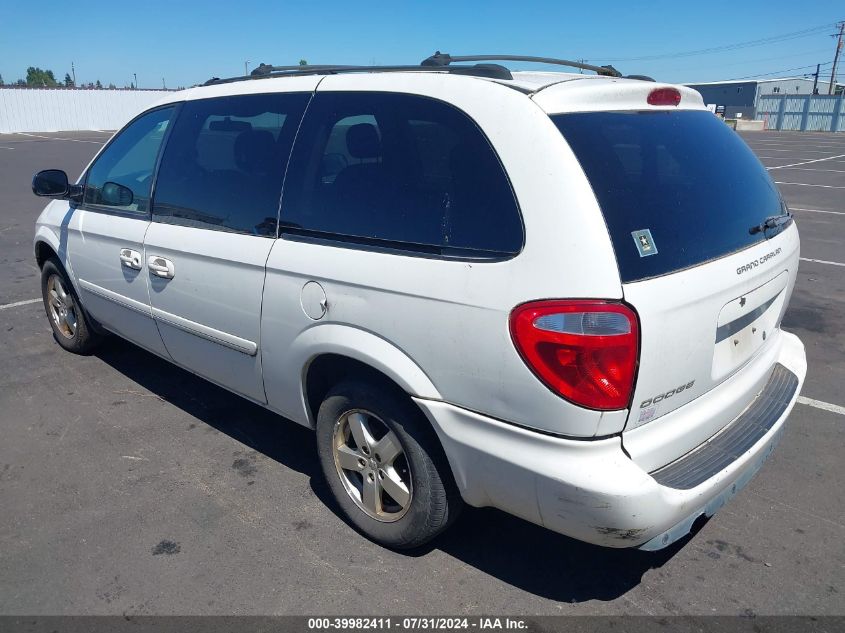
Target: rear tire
[(384, 465), (64, 311)]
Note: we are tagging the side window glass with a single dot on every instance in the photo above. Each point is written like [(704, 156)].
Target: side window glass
[(225, 161), (122, 175), (400, 171), (338, 155)]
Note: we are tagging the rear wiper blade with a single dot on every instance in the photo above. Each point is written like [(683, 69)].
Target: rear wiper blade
[(772, 222)]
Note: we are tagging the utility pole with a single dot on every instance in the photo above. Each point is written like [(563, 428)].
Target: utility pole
[(73, 70), (816, 80), (246, 68), (832, 87), (164, 87), (136, 80)]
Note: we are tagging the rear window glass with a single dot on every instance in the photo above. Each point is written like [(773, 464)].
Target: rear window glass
[(676, 188)]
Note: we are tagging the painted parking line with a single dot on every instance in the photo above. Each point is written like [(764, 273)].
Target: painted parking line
[(817, 211), (808, 162), (805, 151), (799, 148), (26, 302), (798, 144), (796, 134), (821, 261), (793, 158), (806, 184), (829, 171), (56, 138), (819, 404), (801, 143)]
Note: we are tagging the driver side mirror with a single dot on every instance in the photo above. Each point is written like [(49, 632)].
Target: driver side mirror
[(53, 183)]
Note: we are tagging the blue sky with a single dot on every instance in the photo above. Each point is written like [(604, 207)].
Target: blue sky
[(188, 42)]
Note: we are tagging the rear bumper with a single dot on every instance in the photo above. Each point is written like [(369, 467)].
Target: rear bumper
[(590, 489)]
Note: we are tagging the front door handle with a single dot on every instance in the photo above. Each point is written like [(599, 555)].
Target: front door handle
[(130, 259), (161, 267)]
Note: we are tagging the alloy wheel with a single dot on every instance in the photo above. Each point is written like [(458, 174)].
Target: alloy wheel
[(61, 307), (372, 465)]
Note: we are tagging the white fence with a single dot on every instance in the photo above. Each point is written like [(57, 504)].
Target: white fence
[(60, 109), (802, 112)]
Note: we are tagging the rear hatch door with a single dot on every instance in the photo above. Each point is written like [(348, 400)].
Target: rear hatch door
[(686, 205)]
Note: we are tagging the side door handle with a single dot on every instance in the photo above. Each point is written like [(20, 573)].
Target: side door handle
[(130, 259), (161, 267)]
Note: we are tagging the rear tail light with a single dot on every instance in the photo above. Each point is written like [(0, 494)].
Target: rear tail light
[(585, 351), (664, 97)]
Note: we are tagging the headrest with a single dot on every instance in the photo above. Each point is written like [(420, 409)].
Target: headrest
[(228, 125), (254, 150), (362, 141)]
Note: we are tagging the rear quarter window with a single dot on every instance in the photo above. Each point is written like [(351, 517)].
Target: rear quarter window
[(683, 176), (400, 171)]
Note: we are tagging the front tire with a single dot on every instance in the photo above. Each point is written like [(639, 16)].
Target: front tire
[(65, 313), (384, 465)]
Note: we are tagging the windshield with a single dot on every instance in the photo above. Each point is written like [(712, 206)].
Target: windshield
[(676, 188)]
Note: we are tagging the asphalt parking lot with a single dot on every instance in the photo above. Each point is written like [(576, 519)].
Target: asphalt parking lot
[(128, 486)]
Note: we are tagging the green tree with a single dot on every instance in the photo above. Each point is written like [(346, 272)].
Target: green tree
[(1, 81), (98, 85), (37, 77), (20, 82), (112, 87), (68, 80), (303, 62)]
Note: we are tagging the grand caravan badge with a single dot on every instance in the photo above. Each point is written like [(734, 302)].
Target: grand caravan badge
[(645, 242)]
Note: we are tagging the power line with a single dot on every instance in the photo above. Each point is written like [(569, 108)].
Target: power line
[(778, 72), (728, 47), (746, 62)]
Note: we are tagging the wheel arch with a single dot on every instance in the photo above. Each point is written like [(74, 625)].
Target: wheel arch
[(43, 252), (333, 352), (46, 245)]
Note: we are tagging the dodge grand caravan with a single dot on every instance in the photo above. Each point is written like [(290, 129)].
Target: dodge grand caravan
[(555, 294)]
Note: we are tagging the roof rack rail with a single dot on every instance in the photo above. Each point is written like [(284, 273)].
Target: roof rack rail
[(444, 59), (264, 71)]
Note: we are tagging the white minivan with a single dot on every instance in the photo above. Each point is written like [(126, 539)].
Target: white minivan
[(555, 294)]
